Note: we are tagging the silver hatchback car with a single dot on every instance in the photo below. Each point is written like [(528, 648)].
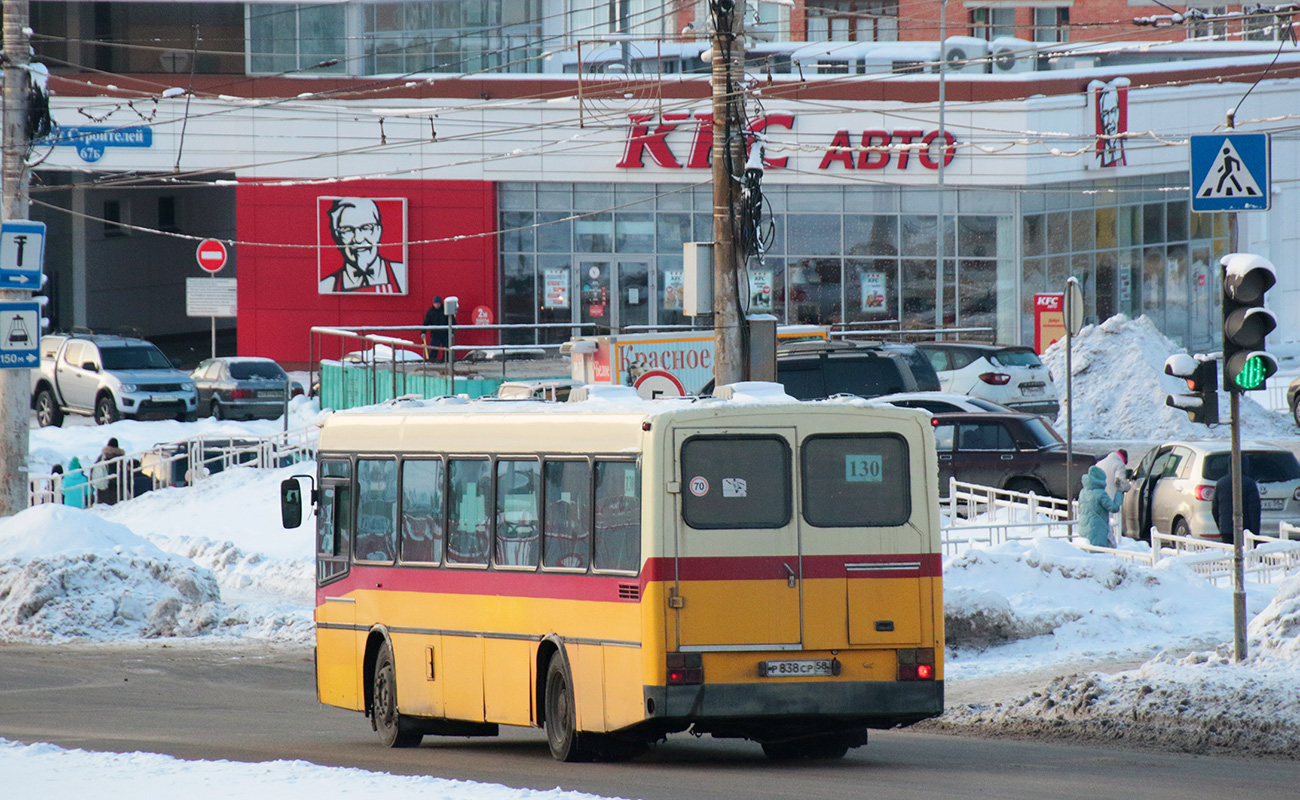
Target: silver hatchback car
[(1173, 488)]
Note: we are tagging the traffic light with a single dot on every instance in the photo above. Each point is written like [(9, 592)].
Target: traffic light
[(1202, 376), (1246, 277)]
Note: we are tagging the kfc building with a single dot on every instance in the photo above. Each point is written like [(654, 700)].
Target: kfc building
[(540, 199)]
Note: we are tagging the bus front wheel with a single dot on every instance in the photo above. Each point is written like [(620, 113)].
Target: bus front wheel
[(394, 729), (561, 720)]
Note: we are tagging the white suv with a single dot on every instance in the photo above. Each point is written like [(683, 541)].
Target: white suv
[(1012, 376)]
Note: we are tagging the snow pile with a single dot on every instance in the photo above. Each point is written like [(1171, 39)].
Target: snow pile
[(43, 770), (1200, 703), (1027, 604), (66, 573), (1120, 387), (207, 560)]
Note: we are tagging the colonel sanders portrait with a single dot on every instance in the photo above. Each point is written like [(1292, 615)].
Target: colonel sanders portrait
[(356, 226)]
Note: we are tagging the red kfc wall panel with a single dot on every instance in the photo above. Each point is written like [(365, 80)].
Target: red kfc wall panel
[(365, 253)]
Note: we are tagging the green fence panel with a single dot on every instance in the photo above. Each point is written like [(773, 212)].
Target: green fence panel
[(350, 385)]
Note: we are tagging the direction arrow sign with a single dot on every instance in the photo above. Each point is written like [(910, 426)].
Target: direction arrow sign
[(22, 254), (211, 255), (1231, 172), (20, 334)]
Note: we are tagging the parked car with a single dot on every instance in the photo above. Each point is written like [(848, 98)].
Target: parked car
[(553, 389), (1293, 399), (1015, 451), (1012, 376), (813, 370), (108, 378), (243, 387), (1173, 488), (942, 402)]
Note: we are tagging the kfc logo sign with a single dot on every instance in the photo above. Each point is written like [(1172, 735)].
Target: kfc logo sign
[(1109, 101), (880, 149), (645, 137), (654, 139)]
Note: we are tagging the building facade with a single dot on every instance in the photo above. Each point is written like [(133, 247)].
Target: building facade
[(567, 198)]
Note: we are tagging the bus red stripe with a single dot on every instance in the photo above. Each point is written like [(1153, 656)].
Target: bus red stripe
[(606, 588)]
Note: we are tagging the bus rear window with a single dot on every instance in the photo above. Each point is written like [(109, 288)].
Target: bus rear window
[(859, 481), (736, 482)]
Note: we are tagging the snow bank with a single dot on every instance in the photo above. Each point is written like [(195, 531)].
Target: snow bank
[(44, 770), (66, 573), (1025, 605), (1120, 387)]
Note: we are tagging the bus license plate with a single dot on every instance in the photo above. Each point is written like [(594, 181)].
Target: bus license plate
[(796, 669), (1276, 504)]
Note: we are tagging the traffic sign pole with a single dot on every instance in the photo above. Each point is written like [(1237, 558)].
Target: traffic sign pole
[(15, 384)]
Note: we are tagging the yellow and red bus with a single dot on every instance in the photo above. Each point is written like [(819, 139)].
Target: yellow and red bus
[(616, 570)]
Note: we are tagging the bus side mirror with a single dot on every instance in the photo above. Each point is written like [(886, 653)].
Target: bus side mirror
[(291, 501)]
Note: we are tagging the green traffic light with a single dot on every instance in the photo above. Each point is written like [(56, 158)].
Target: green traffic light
[(1253, 373)]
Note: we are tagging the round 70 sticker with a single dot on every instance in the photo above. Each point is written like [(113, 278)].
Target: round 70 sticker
[(699, 486)]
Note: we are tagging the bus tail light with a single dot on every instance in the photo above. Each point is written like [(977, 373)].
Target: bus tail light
[(685, 669), (995, 378), (916, 664)]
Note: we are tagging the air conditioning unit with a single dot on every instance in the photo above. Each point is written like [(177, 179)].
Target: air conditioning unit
[(1008, 55), (965, 54)]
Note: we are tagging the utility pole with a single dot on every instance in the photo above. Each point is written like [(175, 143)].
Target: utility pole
[(729, 358), (15, 384)]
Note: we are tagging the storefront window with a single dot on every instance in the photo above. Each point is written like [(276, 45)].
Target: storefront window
[(813, 234), (815, 291)]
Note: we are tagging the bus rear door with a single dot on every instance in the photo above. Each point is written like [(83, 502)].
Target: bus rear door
[(738, 573)]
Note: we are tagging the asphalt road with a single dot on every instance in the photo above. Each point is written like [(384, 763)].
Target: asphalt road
[(247, 703)]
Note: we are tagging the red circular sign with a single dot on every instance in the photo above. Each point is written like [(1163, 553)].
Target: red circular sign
[(657, 383), (482, 315), (211, 255)]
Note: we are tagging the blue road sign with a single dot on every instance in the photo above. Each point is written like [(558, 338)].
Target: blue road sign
[(22, 254), (1231, 172), (20, 334)]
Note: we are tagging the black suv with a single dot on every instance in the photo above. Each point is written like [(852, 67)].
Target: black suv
[(810, 371)]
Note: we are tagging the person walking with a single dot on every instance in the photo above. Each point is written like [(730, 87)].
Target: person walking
[(1221, 505), (1095, 507), (435, 338), (76, 490), (105, 472)]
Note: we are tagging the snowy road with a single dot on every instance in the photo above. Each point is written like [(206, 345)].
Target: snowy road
[(254, 703)]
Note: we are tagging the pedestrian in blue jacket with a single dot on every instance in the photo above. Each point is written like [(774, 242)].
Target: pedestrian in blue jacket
[(76, 490), (1095, 507)]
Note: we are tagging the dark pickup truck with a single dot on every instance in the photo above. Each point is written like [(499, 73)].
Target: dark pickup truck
[(1019, 452)]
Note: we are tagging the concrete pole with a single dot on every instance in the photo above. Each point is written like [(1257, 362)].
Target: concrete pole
[(729, 358), (15, 384), (940, 244)]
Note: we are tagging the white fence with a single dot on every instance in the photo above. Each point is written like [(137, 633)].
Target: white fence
[(981, 516), (182, 463)]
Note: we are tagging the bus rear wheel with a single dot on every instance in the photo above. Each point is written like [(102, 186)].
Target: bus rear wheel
[(393, 728), (561, 720)]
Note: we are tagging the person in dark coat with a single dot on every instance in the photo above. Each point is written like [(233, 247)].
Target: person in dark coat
[(104, 473), (1221, 506), (435, 339)]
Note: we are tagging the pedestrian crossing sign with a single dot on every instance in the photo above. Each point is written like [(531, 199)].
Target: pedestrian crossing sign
[(1230, 172)]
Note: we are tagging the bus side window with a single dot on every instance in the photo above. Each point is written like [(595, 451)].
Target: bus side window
[(618, 516), (422, 520), (566, 530), (333, 530), (376, 509), (469, 489), (519, 512)]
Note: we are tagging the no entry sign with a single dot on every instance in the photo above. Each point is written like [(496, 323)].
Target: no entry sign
[(211, 255)]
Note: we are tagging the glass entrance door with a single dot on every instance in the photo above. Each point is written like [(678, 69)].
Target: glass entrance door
[(614, 294)]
